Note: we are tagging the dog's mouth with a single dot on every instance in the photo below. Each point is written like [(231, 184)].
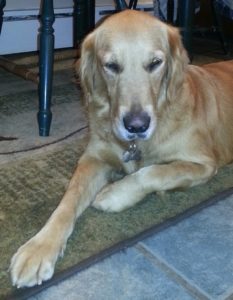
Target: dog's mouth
[(136, 136)]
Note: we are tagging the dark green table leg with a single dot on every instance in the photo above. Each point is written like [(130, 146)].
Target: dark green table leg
[(79, 21), (90, 15), (121, 4), (84, 19), (46, 66), (186, 11), (218, 23), (170, 11), (2, 4)]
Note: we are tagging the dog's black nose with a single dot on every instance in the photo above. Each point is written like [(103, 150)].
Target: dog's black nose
[(136, 122)]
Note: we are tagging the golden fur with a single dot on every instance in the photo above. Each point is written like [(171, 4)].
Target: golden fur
[(141, 91)]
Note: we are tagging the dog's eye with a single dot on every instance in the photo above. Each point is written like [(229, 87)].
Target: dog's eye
[(113, 67), (153, 65)]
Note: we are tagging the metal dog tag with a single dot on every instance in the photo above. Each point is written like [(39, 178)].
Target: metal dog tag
[(132, 153)]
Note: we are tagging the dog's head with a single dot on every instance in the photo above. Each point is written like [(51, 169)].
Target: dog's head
[(132, 66)]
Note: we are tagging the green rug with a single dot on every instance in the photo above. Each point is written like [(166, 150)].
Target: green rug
[(32, 188), (18, 114)]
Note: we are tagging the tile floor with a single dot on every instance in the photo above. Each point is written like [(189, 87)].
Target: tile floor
[(191, 260)]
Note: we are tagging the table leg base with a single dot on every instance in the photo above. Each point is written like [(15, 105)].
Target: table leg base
[(44, 121)]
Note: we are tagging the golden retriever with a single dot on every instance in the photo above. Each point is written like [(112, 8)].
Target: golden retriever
[(164, 123)]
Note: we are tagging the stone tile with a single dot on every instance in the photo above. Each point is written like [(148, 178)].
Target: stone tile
[(125, 275), (200, 248)]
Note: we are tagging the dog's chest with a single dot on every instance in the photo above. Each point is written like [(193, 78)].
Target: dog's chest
[(136, 155)]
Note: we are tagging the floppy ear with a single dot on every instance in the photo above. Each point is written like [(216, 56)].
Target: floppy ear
[(91, 78), (177, 62), (87, 67)]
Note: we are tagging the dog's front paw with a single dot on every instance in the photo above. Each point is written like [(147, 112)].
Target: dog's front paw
[(33, 263), (106, 200), (113, 198)]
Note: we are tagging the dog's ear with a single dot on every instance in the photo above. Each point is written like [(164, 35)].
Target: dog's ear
[(87, 64), (177, 62), (89, 69)]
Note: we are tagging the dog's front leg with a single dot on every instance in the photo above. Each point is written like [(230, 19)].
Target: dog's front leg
[(134, 187), (34, 262)]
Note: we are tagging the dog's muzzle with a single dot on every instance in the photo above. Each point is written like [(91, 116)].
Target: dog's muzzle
[(132, 125)]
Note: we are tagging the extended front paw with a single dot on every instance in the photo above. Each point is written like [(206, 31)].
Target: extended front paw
[(34, 262)]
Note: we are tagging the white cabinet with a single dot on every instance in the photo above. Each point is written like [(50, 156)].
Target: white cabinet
[(20, 26)]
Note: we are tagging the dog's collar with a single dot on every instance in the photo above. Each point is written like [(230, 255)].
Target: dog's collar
[(132, 153)]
